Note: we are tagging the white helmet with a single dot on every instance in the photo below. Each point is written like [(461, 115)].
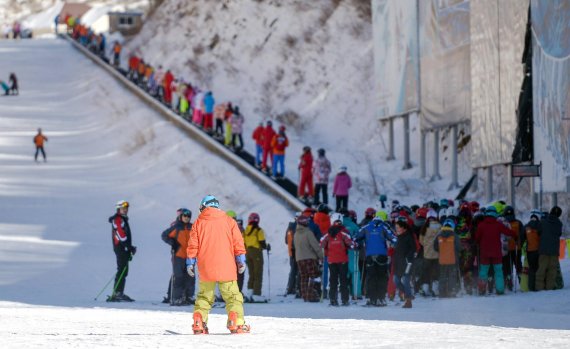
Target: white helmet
[(336, 217), (122, 204)]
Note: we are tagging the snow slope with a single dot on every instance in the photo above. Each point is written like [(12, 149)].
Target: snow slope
[(105, 145)]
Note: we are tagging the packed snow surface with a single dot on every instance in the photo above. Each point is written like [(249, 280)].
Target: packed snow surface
[(105, 145)]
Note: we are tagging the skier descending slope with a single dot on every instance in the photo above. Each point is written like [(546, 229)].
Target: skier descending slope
[(217, 245)]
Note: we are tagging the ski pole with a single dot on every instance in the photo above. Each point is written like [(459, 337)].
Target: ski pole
[(120, 278), (107, 284), (268, 276)]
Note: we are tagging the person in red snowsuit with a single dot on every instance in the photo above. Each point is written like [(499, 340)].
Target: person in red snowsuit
[(306, 175), (168, 78), (267, 137)]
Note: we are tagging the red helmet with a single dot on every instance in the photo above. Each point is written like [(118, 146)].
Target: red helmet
[(282, 128), (253, 218), (474, 205), (422, 212), (370, 212)]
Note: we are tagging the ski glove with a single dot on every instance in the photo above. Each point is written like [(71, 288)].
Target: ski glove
[(190, 264), (133, 250), (240, 260)]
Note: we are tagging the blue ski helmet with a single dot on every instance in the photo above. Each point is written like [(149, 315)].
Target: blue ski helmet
[(209, 201)]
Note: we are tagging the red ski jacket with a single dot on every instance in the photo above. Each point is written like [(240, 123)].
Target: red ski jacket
[(336, 244), (488, 237)]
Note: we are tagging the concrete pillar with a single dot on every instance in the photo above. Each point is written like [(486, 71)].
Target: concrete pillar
[(534, 195), (407, 163), (475, 185), (391, 153), (511, 188), (489, 186), (454, 164), (435, 175), (423, 172), (554, 200)]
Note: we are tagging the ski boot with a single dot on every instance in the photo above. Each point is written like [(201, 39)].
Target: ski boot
[(234, 327), (408, 303), (199, 326), (119, 297)]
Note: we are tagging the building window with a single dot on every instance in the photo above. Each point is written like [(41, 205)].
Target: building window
[(126, 21)]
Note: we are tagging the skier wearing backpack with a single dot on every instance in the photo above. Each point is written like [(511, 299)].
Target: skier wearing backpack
[(336, 245), (123, 248), (177, 236), (254, 240), (446, 243), (216, 246), (530, 239), (376, 235)]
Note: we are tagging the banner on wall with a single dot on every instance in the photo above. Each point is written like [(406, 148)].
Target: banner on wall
[(551, 91), (395, 29), (444, 63), (497, 45)]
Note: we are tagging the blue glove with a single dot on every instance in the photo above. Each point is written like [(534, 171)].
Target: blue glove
[(240, 260), (190, 265)]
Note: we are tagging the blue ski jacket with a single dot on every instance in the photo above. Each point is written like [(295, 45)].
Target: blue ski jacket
[(375, 234)]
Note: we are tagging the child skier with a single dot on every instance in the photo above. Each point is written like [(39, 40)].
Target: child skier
[(447, 244)]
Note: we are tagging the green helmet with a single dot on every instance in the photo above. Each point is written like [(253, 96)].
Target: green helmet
[(499, 206), (231, 213), (382, 215)]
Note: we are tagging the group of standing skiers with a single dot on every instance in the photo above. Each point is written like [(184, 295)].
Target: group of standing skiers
[(436, 250), (211, 250)]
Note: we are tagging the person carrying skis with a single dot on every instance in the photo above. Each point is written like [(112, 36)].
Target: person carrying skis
[(123, 248), (548, 250), (376, 235), (321, 172), (267, 137), (279, 143), (308, 254), (39, 140), (446, 243), (306, 189), (488, 237), (342, 184), (177, 236), (254, 240), (336, 244), (216, 245), (257, 136)]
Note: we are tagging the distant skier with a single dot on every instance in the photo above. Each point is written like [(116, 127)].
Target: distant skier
[(342, 184), (209, 103), (306, 189), (279, 143), (550, 231), (237, 128), (117, 54), (267, 137), (39, 140), (257, 136), (13, 84), (321, 172), (123, 248), (216, 244), (177, 236)]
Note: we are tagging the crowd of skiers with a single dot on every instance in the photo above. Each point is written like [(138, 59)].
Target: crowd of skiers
[(436, 250)]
